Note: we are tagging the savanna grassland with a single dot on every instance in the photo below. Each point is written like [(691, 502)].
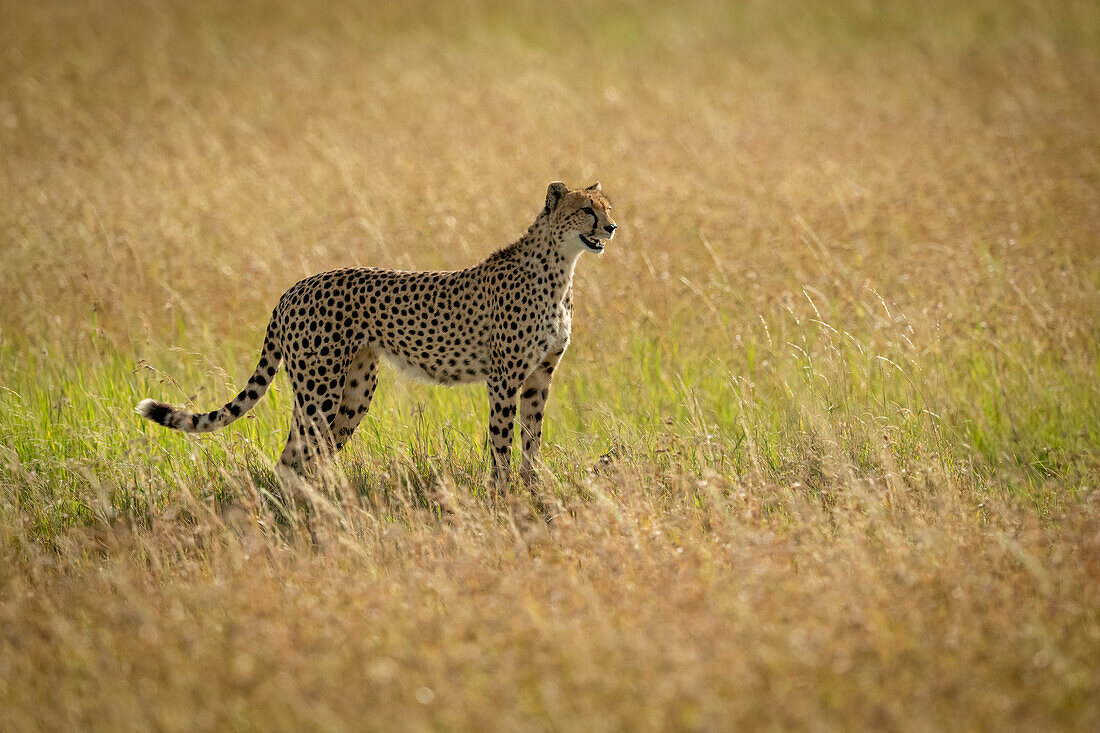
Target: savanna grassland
[(823, 453)]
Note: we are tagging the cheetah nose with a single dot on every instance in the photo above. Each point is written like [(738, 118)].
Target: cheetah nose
[(611, 228)]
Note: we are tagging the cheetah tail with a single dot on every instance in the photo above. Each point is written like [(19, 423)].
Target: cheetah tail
[(205, 422)]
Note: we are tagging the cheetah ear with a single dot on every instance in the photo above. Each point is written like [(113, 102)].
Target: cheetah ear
[(556, 190), (594, 187)]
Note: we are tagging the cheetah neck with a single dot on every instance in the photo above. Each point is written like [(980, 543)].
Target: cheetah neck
[(539, 258), (543, 256)]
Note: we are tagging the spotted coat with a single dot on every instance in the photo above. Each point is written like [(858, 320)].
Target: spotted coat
[(506, 322)]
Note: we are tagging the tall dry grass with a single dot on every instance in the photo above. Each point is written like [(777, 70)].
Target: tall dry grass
[(822, 453)]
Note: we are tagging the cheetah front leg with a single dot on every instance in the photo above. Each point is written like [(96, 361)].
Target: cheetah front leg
[(502, 413), (532, 405)]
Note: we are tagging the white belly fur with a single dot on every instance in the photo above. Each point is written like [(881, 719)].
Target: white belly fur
[(419, 374)]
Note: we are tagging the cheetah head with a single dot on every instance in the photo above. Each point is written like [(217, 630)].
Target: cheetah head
[(580, 218)]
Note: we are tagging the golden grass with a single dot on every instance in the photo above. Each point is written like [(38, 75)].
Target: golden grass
[(841, 364)]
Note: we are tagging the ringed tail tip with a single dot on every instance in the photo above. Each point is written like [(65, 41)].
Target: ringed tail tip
[(152, 410)]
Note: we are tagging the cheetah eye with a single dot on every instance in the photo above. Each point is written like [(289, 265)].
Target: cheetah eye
[(588, 210)]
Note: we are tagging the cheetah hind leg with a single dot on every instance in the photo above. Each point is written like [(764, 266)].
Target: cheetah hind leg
[(297, 470), (309, 450), (311, 444), (359, 384)]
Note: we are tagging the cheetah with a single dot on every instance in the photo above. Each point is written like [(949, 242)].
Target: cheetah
[(505, 322)]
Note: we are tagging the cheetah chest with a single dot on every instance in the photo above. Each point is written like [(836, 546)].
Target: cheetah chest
[(555, 329)]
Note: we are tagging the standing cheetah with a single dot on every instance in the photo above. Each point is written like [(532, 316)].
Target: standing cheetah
[(505, 322)]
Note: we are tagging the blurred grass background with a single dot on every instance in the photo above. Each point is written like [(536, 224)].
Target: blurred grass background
[(841, 364)]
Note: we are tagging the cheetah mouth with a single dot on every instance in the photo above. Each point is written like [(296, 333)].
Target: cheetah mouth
[(592, 243)]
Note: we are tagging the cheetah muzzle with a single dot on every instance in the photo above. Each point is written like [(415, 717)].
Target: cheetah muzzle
[(506, 322)]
